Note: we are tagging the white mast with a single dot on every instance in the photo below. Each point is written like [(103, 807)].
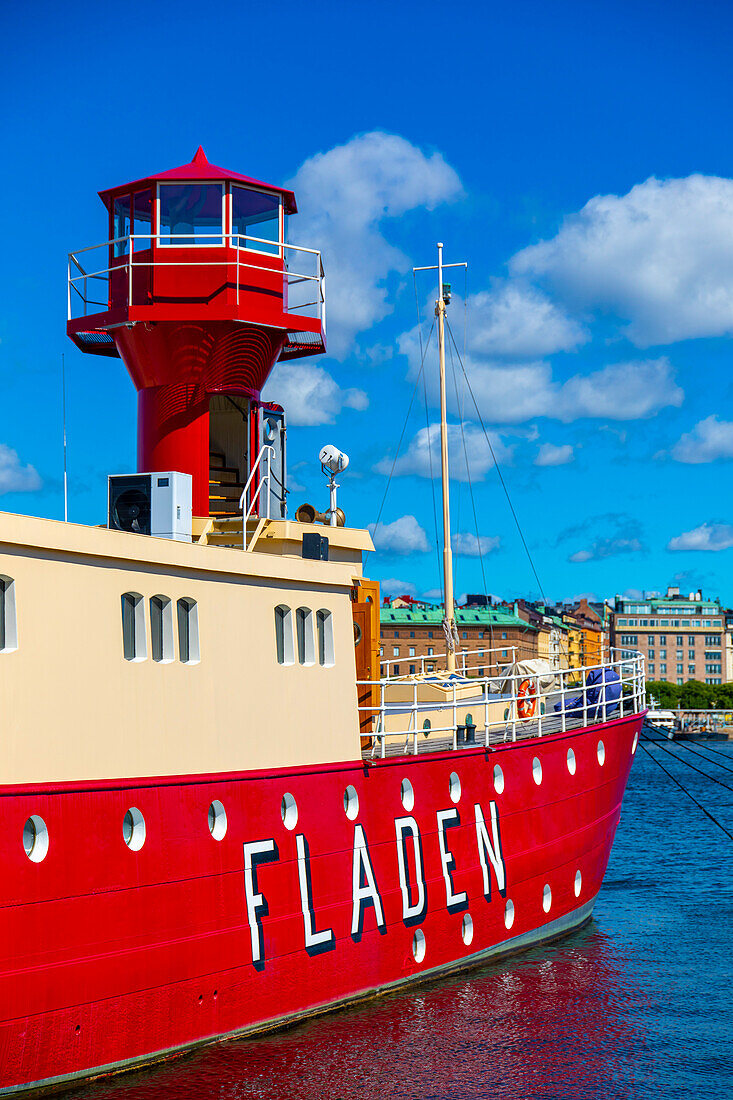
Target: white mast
[(449, 623)]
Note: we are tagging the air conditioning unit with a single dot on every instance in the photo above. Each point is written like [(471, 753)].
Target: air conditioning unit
[(157, 504)]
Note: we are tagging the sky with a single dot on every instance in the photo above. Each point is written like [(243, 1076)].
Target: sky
[(576, 156)]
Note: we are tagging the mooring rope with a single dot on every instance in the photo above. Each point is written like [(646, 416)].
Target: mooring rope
[(683, 788)]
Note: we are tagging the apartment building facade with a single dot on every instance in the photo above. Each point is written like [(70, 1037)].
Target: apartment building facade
[(488, 636), (683, 637)]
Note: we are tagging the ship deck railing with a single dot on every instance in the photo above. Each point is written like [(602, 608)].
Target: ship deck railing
[(90, 272), (493, 710)]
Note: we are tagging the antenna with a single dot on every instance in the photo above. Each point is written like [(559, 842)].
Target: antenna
[(63, 419)]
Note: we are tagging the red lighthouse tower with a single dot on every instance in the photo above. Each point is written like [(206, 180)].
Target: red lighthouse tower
[(199, 294)]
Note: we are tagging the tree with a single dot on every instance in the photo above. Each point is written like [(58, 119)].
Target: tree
[(695, 695), (667, 695)]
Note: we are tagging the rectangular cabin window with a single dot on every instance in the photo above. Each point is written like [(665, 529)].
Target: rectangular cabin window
[(191, 214), (189, 651), (134, 645), (324, 624), (8, 622), (161, 629), (142, 213), (121, 225), (256, 220), (304, 631), (284, 635)]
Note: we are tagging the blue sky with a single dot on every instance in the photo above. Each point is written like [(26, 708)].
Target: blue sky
[(577, 156)]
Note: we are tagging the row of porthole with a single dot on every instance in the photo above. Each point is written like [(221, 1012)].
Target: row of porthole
[(419, 944), (36, 839)]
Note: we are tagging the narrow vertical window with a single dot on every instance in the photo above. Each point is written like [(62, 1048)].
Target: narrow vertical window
[(134, 646), (161, 629), (306, 641), (284, 635), (324, 625), (8, 622), (188, 631)]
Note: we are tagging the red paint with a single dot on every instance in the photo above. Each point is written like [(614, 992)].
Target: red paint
[(131, 947)]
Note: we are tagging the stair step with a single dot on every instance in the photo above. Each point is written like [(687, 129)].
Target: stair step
[(225, 492), (216, 460), (226, 475)]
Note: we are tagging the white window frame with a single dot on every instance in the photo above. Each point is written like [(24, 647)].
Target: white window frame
[(284, 644), (187, 612), (9, 614), (139, 650), (161, 618), (208, 243), (306, 644), (280, 220), (324, 627)]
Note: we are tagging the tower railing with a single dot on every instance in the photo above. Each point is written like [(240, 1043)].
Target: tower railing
[(261, 472), (89, 289)]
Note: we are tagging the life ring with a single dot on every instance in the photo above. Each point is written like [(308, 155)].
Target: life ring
[(526, 699)]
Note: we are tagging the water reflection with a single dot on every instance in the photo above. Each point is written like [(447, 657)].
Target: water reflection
[(557, 1022)]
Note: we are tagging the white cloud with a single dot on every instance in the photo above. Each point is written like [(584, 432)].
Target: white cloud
[(551, 454), (416, 460), (709, 440), (660, 257), (345, 195), (515, 393), (309, 394), (607, 548), (624, 538), (15, 478), (708, 536), (393, 586), (403, 536), (520, 322), (467, 545)]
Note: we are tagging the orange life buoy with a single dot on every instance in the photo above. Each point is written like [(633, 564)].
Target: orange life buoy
[(526, 699)]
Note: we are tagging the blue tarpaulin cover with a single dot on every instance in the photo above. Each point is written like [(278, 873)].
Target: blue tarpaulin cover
[(602, 685)]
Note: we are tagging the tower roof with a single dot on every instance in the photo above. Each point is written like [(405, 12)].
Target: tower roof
[(201, 169)]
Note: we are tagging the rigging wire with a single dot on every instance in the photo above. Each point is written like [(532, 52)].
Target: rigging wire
[(688, 764), (709, 748), (399, 444), (684, 789), (498, 468), (430, 446), (714, 763)]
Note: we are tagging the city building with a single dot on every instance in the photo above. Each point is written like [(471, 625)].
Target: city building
[(682, 637)]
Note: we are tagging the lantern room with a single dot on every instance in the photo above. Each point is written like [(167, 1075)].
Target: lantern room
[(200, 293)]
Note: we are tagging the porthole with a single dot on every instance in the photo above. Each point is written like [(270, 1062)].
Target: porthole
[(509, 913), (506, 714), (407, 795), (217, 820), (571, 762), (498, 779), (537, 770), (289, 811), (426, 727), (578, 883), (454, 787), (601, 753), (636, 742), (35, 838), (133, 829), (546, 898), (418, 946), (467, 929), (351, 802)]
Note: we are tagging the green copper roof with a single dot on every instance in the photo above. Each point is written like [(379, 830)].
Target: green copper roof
[(464, 616)]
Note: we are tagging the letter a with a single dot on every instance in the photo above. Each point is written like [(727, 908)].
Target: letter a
[(362, 895)]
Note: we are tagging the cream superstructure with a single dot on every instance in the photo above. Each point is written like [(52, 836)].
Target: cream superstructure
[(74, 707)]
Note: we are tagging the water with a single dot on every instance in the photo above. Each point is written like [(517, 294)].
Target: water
[(635, 1005)]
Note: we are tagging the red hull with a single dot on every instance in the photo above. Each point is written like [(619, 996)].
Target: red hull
[(111, 956)]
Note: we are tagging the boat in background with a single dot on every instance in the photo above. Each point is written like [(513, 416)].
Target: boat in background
[(219, 814)]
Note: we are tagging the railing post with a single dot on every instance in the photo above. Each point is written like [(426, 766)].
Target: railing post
[(514, 704), (539, 708), (585, 700), (384, 721), (414, 710), (455, 718), (563, 692), (486, 713)]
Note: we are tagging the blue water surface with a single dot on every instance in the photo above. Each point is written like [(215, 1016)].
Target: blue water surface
[(637, 1004)]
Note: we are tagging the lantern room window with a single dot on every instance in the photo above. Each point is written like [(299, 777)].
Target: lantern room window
[(121, 225), (256, 220), (191, 214), (132, 214)]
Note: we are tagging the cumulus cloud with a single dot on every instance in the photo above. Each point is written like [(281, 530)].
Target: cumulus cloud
[(708, 536), (660, 257), (309, 394), (393, 586), (551, 454), (403, 536), (512, 393), (466, 545), (709, 440), (14, 477), (416, 460), (520, 322), (600, 544), (345, 196)]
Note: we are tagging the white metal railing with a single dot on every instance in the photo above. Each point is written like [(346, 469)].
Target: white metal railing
[(463, 666), (264, 476), (509, 706), (89, 291)]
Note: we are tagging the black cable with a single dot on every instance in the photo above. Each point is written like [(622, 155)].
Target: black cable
[(709, 748), (676, 756), (498, 469), (686, 745), (684, 790)]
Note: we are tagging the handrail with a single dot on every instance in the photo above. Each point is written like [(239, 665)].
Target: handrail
[(267, 452), (563, 699)]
